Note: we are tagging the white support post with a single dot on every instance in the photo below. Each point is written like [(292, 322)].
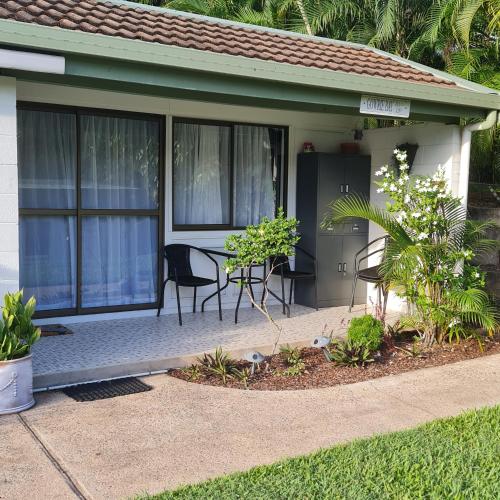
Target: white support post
[(9, 213)]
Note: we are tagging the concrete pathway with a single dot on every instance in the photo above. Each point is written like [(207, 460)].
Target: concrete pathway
[(183, 433)]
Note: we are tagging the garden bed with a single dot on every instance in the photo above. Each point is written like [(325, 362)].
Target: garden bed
[(319, 372)]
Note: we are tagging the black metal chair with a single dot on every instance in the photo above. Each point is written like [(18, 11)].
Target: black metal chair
[(179, 271), (370, 274), (281, 264)]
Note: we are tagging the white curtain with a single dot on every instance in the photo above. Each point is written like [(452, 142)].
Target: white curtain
[(47, 159), (119, 165), (119, 260), (201, 174), (119, 162), (47, 249), (47, 174), (253, 175)]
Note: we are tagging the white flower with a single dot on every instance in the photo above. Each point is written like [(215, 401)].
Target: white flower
[(378, 173), (422, 236), (392, 187), (407, 198), (403, 214), (476, 275), (396, 151), (380, 190), (405, 177), (416, 215)]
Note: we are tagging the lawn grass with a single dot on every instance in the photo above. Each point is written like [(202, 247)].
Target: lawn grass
[(456, 458)]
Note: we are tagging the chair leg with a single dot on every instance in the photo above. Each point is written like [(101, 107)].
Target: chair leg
[(250, 286), (162, 295), (264, 275), (239, 299), (283, 299), (354, 282), (292, 282), (178, 304), (219, 298), (194, 300)]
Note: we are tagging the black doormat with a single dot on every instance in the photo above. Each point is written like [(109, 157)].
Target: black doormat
[(107, 389), (53, 330)]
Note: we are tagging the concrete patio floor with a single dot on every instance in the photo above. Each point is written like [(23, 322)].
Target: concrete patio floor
[(99, 350), (183, 433)]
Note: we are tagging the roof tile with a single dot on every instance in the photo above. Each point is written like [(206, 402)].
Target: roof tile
[(181, 30)]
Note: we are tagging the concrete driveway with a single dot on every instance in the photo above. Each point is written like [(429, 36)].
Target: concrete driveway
[(183, 433)]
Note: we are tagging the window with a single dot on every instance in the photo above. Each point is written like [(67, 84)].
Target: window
[(226, 175), (90, 209)]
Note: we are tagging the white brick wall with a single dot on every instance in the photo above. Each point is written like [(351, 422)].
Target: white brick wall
[(9, 223)]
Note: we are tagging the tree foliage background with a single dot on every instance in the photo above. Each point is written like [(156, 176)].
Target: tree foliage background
[(458, 36)]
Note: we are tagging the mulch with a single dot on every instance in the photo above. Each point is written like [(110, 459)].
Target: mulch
[(321, 373)]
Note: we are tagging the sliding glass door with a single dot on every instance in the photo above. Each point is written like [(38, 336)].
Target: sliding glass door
[(90, 209)]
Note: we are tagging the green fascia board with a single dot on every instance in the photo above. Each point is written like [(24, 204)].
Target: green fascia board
[(62, 41), (183, 84)]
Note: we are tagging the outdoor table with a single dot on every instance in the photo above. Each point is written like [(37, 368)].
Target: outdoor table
[(245, 281)]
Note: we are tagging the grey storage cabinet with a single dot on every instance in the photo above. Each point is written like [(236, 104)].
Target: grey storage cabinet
[(321, 179)]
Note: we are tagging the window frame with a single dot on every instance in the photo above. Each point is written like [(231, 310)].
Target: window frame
[(78, 212), (282, 174)]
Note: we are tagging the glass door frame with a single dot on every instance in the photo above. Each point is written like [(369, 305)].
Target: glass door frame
[(80, 212)]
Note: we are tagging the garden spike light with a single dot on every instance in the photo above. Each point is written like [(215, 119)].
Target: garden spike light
[(322, 343), (255, 358)]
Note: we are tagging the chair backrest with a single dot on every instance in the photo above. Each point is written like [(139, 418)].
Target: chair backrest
[(178, 259), (281, 263)]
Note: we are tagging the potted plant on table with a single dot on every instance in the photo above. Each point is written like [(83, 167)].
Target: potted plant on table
[(17, 335)]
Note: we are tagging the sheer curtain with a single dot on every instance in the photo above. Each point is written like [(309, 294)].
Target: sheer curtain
[(47, 173), (254, 195), (119, 159), (47, 159), (119, 165), (201, 173), (119, 260)]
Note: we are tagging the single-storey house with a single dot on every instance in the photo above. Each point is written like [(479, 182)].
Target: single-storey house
[(124, 128)]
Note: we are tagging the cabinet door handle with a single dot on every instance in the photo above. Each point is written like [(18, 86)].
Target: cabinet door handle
[(341, 188), (347, 188), (340, 267), (345, 267)]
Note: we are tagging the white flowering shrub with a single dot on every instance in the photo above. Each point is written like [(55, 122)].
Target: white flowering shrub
[(428, 257), (421, 205)]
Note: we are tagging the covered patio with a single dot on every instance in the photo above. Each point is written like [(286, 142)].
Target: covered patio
[(106, 349)]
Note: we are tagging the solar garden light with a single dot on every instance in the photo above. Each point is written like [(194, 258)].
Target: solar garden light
[(322, 343), (255, 358)]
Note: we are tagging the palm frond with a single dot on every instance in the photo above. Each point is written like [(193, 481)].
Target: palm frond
[(355, 206)]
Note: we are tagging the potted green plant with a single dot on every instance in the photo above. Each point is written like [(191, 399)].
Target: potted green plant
[(258, 244), (17, 335)]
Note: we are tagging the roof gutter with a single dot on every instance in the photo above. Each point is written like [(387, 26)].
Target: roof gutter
[(492, 119)]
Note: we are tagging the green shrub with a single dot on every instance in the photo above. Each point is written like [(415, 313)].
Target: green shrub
[(366, 331), (350, 353), (17, 332)]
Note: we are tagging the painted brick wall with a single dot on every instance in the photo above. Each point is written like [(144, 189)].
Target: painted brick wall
[(9, 237)]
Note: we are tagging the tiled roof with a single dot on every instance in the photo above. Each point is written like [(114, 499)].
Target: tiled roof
[(171, 28)]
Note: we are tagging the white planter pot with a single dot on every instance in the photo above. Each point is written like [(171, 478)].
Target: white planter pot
[(16, 385)]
